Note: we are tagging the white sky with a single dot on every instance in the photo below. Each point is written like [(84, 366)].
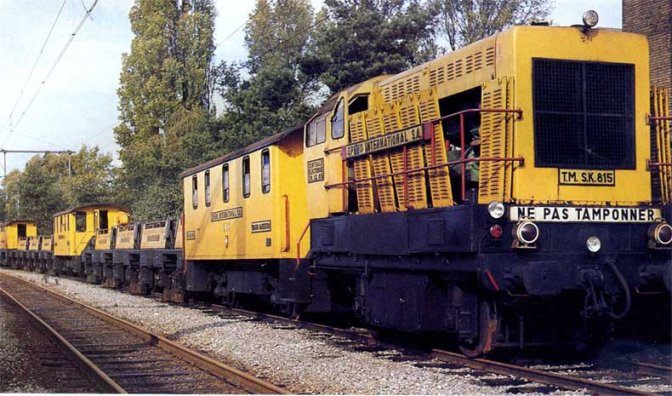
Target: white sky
[(77, 104)]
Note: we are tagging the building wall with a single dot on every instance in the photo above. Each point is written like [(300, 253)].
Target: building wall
[(654, 19)]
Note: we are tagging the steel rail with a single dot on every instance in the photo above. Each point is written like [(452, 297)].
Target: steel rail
[(85, 363), (231, 374), (539, 376), (654, 369)]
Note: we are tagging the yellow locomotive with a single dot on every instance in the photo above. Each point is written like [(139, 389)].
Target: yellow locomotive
[(484, 194)]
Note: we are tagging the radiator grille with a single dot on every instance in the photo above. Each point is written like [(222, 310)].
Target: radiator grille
[(583, 114)]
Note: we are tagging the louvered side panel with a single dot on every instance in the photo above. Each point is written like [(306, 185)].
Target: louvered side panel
[(417, 191), (362, 168), (493, 144), (662, 127), (380, 163), (392, 123), (439, 179)]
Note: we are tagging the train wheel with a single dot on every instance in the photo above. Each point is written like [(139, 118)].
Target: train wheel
[(487, 327)]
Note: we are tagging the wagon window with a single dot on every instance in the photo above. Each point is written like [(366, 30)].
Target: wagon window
[(207, 188), (316, 133), (265, 171), (194, 191), (80, 221), (337, 121), (21, 230), (246, 177), (225, 183)]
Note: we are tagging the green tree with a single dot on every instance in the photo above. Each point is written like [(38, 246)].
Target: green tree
[(466, 21), (164, 102), (51, 183), (275, 94), (359, 39)]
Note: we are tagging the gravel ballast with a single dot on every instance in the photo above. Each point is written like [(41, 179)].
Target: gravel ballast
[(303, 361)]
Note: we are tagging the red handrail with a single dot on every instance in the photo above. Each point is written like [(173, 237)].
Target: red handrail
[(298, 245), (428, 132)]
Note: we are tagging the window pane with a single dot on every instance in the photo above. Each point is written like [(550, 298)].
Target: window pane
[(337, 122), (246, 177), (322, 129), (265, 171), (80, 221), (225, 182), (207, 188), (194, 191)]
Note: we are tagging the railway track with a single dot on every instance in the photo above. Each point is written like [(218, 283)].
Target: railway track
[(123, 357), (546, 377), (549, 377), (631, 373)]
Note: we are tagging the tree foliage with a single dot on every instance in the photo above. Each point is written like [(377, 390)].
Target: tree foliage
[(164, 101), (360, 39), (275, 93), (466, 21), (51, 183)]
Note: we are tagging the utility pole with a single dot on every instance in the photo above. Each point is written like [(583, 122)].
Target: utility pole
[(5, 152)]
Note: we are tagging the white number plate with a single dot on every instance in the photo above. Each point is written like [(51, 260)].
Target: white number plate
[(584, 214)]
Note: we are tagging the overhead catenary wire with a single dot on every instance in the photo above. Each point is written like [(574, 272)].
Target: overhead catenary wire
[(249, 19), (32, 69), (51, 70)]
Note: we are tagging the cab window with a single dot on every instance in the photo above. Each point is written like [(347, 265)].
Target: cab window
[(246, 177), (265, 171), (226, 193), (194, 191), (337, 121), (80, 221), (317, 130), (207, 188)]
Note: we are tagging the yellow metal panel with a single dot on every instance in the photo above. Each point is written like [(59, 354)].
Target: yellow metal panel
[(362, 166), (154, 235), (439, 179), (381, 163), (47, 244), (125, 238), (23, 243), (515, 50), (496, 129), (417, 191), (103, 240), (179, 235), (34, 243)]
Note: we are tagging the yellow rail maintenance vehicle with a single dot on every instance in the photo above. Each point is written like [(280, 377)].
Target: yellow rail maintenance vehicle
[(243, 215), (515, 192), (11, 235), (73, 232)]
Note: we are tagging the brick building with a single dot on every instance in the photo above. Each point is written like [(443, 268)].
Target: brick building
[(654, 19)]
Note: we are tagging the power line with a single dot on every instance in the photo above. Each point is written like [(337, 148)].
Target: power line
[(244, 23), (30, 75), (51, 70)]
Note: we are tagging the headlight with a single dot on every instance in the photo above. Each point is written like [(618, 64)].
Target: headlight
[(526, 232), (593, 244), (590, 18), (496, 209), (661, 233)]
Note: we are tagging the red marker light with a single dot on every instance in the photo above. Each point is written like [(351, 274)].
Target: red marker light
[(496, 231)]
